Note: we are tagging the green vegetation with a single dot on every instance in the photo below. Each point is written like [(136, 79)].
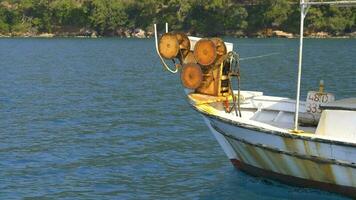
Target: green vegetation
[(208, 17)]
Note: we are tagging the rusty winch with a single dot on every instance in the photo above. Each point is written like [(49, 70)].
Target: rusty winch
[(206, 68)]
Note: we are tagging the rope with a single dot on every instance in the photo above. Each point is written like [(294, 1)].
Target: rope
[(260, 56), (235, 71), (234, 59)]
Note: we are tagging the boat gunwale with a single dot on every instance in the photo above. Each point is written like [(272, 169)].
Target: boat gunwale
[(274, 132)]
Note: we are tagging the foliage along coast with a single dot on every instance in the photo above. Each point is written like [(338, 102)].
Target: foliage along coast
[(134, 18)]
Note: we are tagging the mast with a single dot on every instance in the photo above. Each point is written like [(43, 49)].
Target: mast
[(303, 12), (304, 7)]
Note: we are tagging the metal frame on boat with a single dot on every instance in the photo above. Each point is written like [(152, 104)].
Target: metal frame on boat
[(304, 8), (285, 139)]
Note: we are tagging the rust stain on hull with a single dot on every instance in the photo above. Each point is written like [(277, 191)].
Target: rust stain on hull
[(310, 162), (310, 169), (284, 164)]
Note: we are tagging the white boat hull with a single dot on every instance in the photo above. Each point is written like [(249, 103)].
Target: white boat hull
[(298, 161)]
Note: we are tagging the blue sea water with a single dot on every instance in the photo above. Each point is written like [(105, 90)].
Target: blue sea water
[(101, 119)]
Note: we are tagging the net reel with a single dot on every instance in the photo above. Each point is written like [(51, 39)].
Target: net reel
[(174, 45), (207, 69), (191, 76), (171, 46)]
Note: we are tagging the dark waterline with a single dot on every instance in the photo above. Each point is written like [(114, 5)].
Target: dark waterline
[(101, 119)]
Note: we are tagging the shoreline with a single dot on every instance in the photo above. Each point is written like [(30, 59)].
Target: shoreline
[(143, 38), (149, 35)]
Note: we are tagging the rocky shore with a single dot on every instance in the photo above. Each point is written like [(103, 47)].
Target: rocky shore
[(269, 33), (140, 33), (85, 33)]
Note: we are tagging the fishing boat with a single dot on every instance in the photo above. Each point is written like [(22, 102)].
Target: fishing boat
[(308, 143)]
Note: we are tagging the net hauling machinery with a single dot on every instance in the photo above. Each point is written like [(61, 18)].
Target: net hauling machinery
[(206, 69)]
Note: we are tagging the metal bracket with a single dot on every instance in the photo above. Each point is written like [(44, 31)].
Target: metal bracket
[(305, 9)]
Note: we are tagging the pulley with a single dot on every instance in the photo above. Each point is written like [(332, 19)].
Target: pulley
[(168, 46), (191, 75), (184, 43), (205, 52), (189, 58), (221, 50)]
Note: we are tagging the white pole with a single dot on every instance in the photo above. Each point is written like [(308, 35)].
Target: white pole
[(166, 27), (302, 15)]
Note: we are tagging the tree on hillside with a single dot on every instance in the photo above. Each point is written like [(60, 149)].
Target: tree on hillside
[(107, 15), (215, 17), (268, 14), (207, 17), (69, 13)]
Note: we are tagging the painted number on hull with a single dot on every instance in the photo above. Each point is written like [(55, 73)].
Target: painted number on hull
[(315, 99)]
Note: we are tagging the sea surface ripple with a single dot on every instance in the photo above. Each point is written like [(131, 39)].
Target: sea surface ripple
[(101, 119)]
